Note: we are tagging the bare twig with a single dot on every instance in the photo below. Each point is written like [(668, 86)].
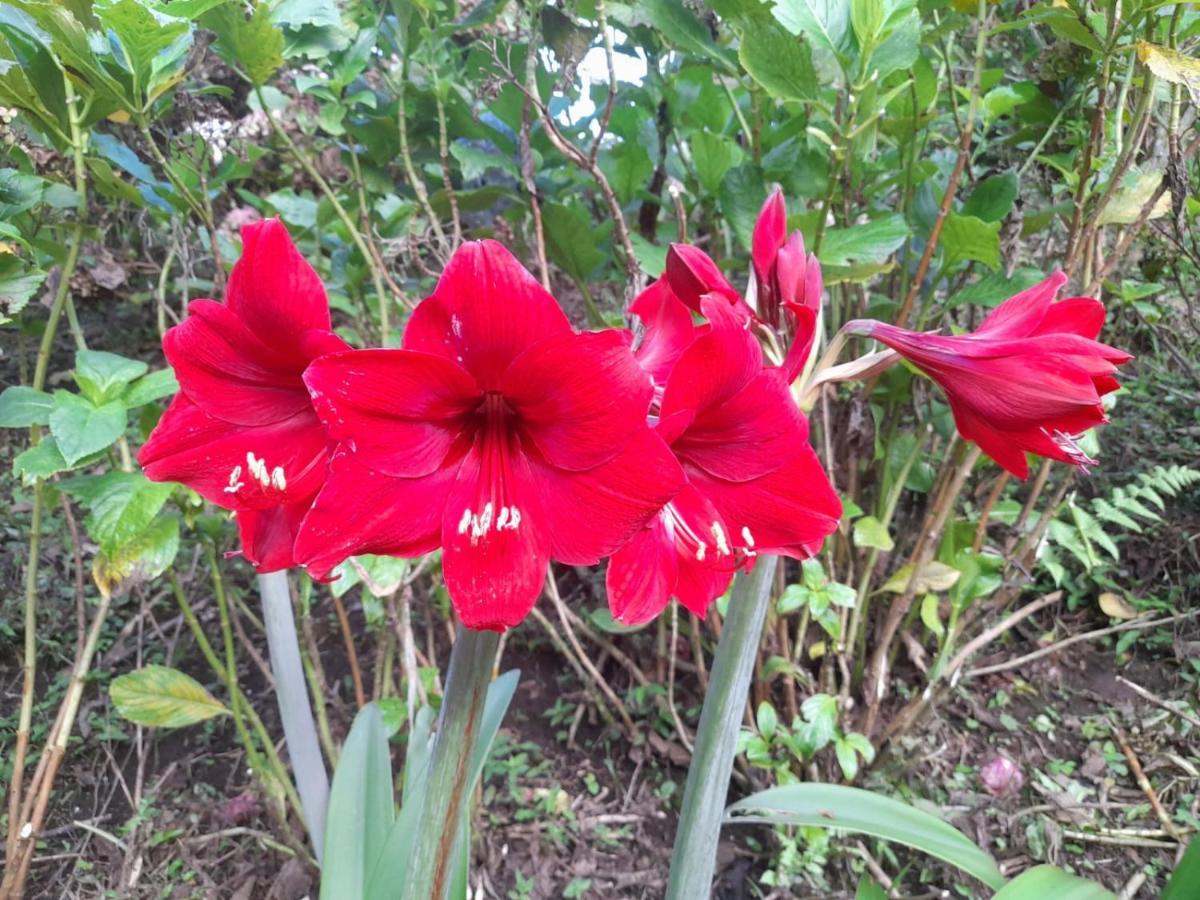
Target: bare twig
[(1134, 625), (339, 608), (585, 661), (1159, 701), (1139, 775)]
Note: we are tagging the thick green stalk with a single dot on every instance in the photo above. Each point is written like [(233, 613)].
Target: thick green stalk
[(447, 788), (295, 711), (695, 853)]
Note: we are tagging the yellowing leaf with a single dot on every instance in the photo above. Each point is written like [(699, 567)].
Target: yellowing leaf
[(1126, 204), (162, 697), (934, 576), (817, 650), (1171, 65), (1116, 606)]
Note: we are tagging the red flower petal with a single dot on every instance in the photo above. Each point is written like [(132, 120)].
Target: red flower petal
[(752, 433), (770, 234), (587, 515), (804, 329), (668, 330), (692, 274), (268, 535), (273, 289), (210, 456), (485, 310), (698, 585), (494, 546), (714, 367), (780, 512), (1020, 315), (362, 511), (229, 372), (996, 444), (401, 411), (641, 575), (579, 397)]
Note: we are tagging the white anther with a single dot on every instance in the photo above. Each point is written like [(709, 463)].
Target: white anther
[(747, 537), (502, 519), (700, 550), (278, 479), (465, 522), (514, 518), (718, 534), (482, 523)]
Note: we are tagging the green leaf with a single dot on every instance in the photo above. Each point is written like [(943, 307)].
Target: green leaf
[(651, 257), (767, 720), (253, 45), (121, 505), (847, 759), (1068, 26), (294, 208), (931, 615), (475, 161), (82, 428), (866, 18), (41, 462), (900, 49), (17, 285), (361, 807), (70, 43), (161, 697), (869, 889), (824, 22), (628, 167), (871, 242), (143, 36), (713, 155), (571, 240), (1041, 882), (148, 388), (1183, 881), (680, 28), (392, 864), (18, 192), (853, 809), (22, 406), (971, 238), (781, 62), (103, 376), (993, 198), (870, 532), (147, 556), (740, 197)]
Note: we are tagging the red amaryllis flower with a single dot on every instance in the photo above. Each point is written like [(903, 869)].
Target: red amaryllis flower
[(1029, 379), (787, 283), (667, 330), (753, 482), (497, 433), (242, 431)]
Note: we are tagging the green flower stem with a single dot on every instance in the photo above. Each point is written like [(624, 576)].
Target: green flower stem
[(295, 711), (445, 801), (695, 853)]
